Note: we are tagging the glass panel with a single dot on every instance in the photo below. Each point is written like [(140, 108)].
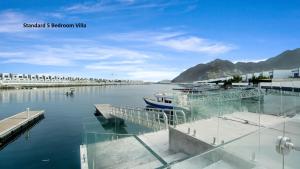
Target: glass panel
[(256, 150), (223, 110), (239, 127), (127, 143), (105, 150), (292, 125), (112, 143)]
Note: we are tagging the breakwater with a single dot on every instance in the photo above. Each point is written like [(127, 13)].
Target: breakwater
[(22, 85)]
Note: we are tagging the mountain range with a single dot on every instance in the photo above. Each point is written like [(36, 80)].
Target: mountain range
[(220, 68)]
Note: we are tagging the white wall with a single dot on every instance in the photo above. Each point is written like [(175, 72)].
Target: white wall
[(282, 74)]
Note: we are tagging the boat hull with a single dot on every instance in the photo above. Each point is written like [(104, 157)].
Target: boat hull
[(156, 104)]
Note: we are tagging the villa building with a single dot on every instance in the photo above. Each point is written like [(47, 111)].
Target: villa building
[(296, 73), (39, 78), (275, 74)]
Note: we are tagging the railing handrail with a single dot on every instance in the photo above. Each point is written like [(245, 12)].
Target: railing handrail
[(150, 115)]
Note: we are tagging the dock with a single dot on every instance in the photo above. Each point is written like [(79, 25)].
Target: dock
[(83, 157), (10, 127), (104, 109), (170, 145), (153, 118), (199, 136)]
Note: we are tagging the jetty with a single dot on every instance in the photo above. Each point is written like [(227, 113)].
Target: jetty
[(12, 126), (156, 119), (104, 109), (202, 135), (167, 146)]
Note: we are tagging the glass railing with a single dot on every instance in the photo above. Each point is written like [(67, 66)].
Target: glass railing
[(255, 150), (111, 150), (245, 133), (232, 129), (113, 143)]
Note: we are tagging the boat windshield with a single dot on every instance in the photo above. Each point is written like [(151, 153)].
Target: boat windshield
[(164, 99)]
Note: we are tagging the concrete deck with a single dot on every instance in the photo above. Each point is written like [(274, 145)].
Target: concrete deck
[(119, 154), (177, 144), (83, 157), (11, 125), (104, 109), (228, 127), (159, 143), (130, 153)]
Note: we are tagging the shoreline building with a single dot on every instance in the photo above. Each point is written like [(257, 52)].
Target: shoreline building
[(275, 74), (296, 73), (40, 79)]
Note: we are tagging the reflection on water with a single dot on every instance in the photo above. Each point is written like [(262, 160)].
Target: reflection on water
[(54, 142), (114, 125)]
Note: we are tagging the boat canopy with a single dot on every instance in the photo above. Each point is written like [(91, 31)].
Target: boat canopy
[(163, 95)]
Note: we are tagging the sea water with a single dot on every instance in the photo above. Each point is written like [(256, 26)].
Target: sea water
[(54, 141)]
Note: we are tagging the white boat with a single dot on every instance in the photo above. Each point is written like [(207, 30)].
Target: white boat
[(162, 101)]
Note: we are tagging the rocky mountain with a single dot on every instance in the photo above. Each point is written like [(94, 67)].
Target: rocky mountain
[(220, 68)]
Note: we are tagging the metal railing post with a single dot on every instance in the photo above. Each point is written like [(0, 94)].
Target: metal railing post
[(147, 119), (166, 120), (27, 110), (139, 118), (158, 120), (175, 122)]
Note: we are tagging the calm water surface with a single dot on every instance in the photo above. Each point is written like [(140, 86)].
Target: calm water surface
[(54, 141)]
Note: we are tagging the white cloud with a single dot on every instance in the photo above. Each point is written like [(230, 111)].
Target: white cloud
[(196, 44), (138, 70), (127, 1), (176, 40), (11, 22), (249, 60), (119, 66), (57, 15), (144, 36), (69, 55), (9, 54), (153, 75), (93, 58), (41, 60), (121, 5)]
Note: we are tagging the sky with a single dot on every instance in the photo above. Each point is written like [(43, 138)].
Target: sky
[(141, 39)]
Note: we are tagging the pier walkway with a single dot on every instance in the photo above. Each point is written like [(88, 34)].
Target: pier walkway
[(233, 94), (163, 148), (10, 126), (215, 131), (153, 118), (149, 150)]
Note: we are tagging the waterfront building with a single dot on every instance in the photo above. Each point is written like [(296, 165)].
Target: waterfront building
[(248, 77), (28, 79), (265, 74), (14, 76), (281, 74), (296, 73), (5, 76), (273, 74), (256, 74)]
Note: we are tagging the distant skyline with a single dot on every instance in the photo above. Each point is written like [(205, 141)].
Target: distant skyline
[(142, 40)]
